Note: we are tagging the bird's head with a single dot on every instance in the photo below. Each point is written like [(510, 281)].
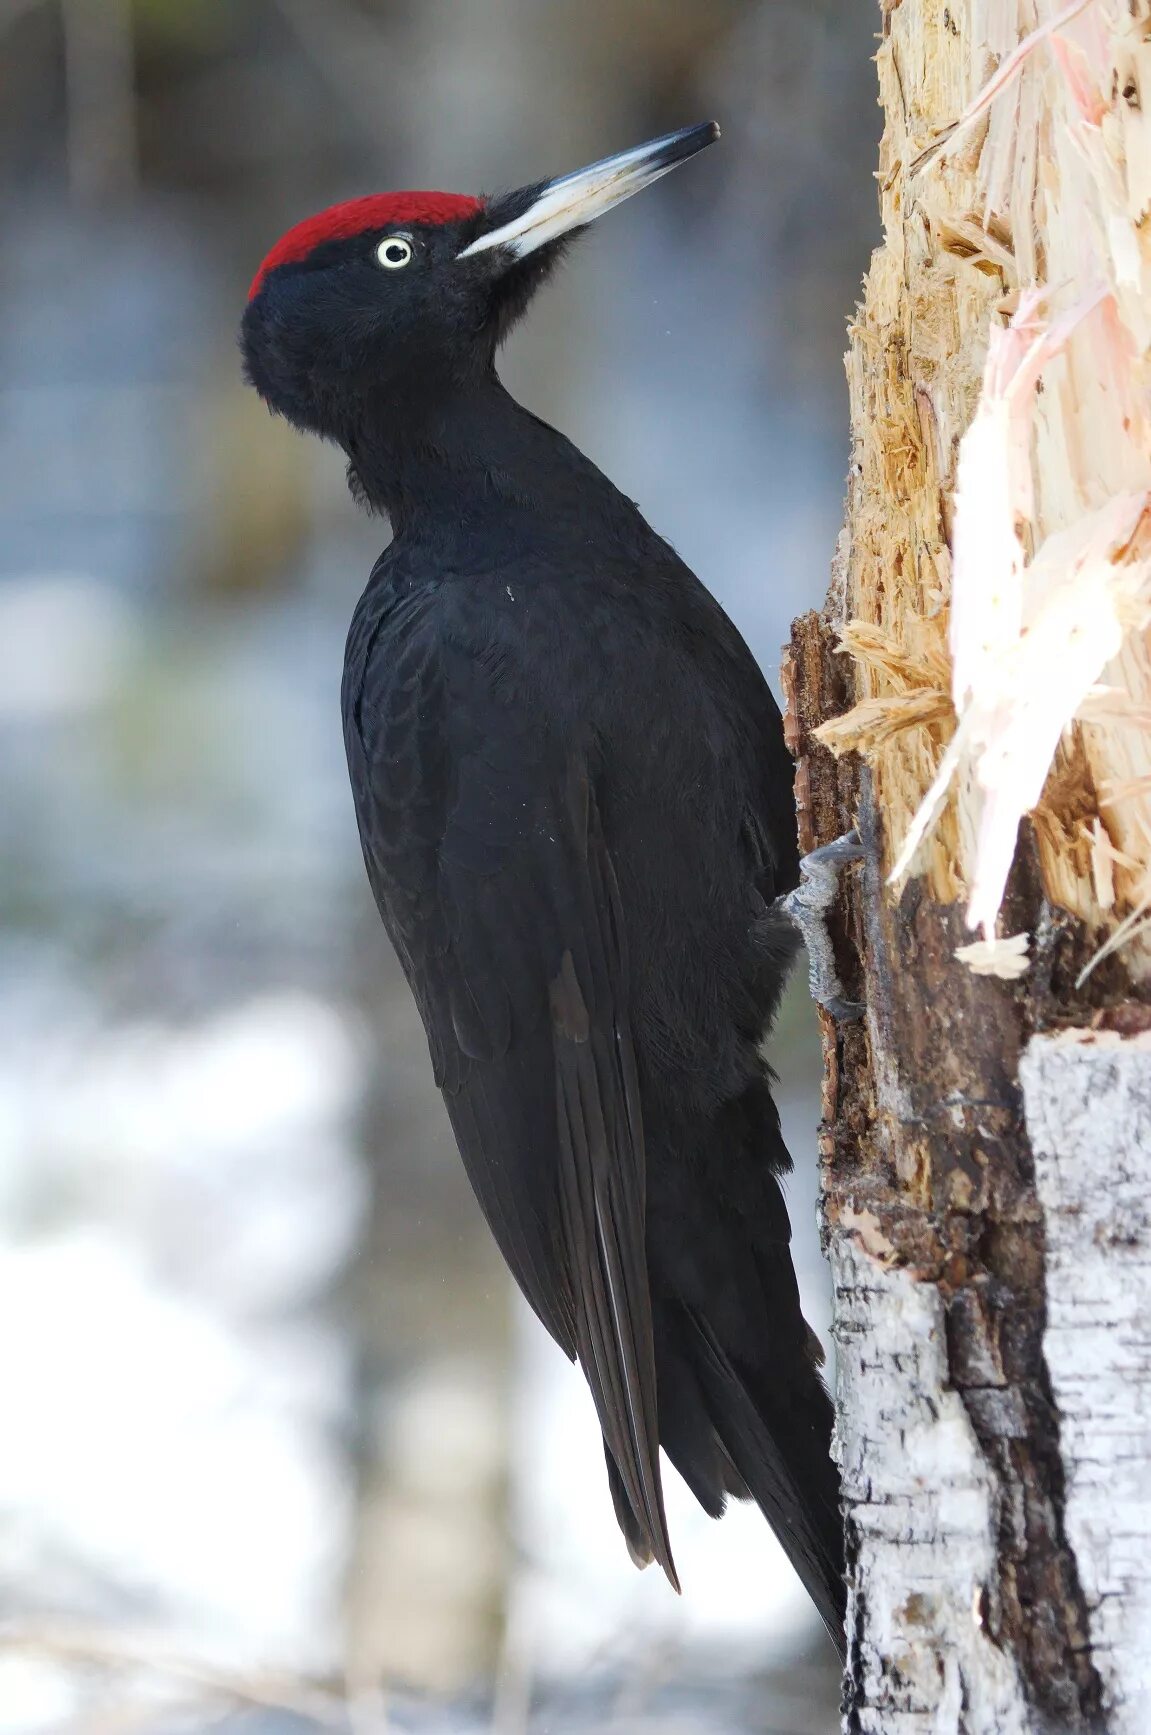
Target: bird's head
[(401, 297)]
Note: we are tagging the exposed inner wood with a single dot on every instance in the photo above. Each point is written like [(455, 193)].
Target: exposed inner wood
[(1039, 203)]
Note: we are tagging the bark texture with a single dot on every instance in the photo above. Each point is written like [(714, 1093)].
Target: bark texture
[(1087, 1097), (985, 1165)]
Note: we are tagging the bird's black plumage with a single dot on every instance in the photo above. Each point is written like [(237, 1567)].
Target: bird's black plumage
[(576, 811)]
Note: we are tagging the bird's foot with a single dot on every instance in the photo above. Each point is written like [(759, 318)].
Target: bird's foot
[(807, 907)]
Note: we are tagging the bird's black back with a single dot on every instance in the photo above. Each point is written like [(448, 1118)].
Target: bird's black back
[(576, 811)]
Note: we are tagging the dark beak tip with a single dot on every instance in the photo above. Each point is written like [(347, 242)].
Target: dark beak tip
[(689, 140)]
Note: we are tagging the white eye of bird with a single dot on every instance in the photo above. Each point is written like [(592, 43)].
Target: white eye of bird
[(394, 252)]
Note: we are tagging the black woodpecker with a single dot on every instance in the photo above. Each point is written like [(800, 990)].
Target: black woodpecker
[(575, 806)]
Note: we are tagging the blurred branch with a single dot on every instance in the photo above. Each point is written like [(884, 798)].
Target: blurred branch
[(118, 1650), (11, 10), (346, 49), (99, 74)]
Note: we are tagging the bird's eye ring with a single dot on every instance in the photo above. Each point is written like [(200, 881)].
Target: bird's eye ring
[(394, 252)]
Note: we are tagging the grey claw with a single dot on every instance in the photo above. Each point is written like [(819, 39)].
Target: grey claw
[(807, 907), (840, 849)]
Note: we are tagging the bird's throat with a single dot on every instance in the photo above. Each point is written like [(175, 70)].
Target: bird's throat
[(470, 455)]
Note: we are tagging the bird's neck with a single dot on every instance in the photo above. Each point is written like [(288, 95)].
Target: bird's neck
[(469, 454)]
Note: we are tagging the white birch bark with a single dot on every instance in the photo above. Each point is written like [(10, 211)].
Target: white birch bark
[(922, 1502), (1088, 1104), (921, 1497)]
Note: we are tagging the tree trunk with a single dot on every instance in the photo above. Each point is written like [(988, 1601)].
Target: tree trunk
[(976, 698)]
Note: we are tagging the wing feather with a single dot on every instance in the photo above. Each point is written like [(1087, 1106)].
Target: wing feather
[(485, 849)]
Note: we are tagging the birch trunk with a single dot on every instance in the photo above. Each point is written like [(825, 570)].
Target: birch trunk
[(976, 697)]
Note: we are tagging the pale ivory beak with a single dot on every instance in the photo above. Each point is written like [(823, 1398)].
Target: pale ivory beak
[(572, 200)]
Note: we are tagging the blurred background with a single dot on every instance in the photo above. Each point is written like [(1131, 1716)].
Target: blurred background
[(279, 1450)]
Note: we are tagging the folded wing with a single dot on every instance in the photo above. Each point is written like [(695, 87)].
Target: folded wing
[(485, 846)]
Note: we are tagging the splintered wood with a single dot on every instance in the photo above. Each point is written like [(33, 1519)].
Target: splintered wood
[(997, 594)]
